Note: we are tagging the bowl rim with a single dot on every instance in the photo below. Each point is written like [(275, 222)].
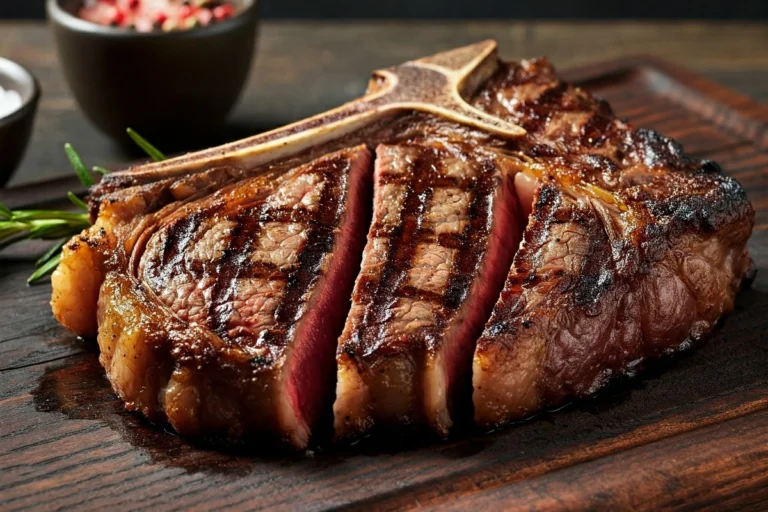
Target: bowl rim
[(61, 17), (29, 102)]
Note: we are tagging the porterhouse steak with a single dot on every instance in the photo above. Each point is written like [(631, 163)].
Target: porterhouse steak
[(523, 247)]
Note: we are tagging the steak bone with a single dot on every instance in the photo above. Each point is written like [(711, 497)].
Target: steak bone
[(436, 85)]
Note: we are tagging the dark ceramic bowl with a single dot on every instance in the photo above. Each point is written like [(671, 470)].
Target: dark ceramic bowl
[(16, 127), (168, 86)]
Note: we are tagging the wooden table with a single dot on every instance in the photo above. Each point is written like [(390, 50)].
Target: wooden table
[(686, 435), (306, 67)]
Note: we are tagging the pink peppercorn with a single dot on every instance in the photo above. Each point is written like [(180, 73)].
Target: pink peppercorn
[(118, 17), (223, 11)]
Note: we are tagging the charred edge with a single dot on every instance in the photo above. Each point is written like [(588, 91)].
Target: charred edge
[(595, 130), (506, 311), (704, 213), (656, 149), (320, 240), (403, 242), (536, 113)]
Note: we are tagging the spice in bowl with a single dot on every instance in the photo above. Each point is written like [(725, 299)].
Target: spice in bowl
[(156, 15), (10, 102)]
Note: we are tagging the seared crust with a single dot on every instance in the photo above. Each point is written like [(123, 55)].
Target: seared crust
[(633, 250)]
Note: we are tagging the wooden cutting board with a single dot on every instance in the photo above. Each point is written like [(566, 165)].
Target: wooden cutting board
[(691, 432)]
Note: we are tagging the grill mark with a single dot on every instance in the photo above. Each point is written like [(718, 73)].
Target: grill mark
[(178, 238), (176, 247), (235, 262), (197, 270), (320, 239), (412, 292), (269, 271), (231, 266), (438, 181), (287, 215), (402, 247), (378, 231), (475, 235), (447, 240), (451, 240)]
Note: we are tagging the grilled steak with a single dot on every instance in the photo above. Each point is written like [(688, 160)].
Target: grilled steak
[(633, 250), (219, 283), (444, 232), (231, 325)]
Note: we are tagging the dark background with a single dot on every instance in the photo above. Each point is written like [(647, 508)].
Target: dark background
[(584, 9)]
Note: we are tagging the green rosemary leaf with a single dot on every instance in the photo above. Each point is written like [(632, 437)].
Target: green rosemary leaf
[(50, 253), (77, 164), (34, 215), (148, 148), (101, 170), (52, 229), (9, 229), (45, 269), (77, 201), (46, 228), (60, 225), (5, 212)]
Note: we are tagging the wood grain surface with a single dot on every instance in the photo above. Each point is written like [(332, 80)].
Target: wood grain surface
[(691, 433)]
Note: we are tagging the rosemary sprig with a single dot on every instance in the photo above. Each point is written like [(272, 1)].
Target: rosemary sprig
[(50, 253), (40, 225), (46, 268), (148, 148), (77, 164), (77, 201), (59, 225)]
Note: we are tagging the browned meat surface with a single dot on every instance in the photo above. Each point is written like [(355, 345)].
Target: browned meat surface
[(444, 232), (219, 289), (230, 325), (633, 250)]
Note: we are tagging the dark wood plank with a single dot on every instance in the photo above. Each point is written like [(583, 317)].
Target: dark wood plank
[(692, 428), (724, 465)]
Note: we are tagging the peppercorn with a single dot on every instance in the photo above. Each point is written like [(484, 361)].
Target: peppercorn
[(185, 11), (160, 19), (118, 17), (223, 11)]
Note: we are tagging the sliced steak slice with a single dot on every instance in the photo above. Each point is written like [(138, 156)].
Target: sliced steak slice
[(445, 228), (632, 250), (107, 245), (229, 326)]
